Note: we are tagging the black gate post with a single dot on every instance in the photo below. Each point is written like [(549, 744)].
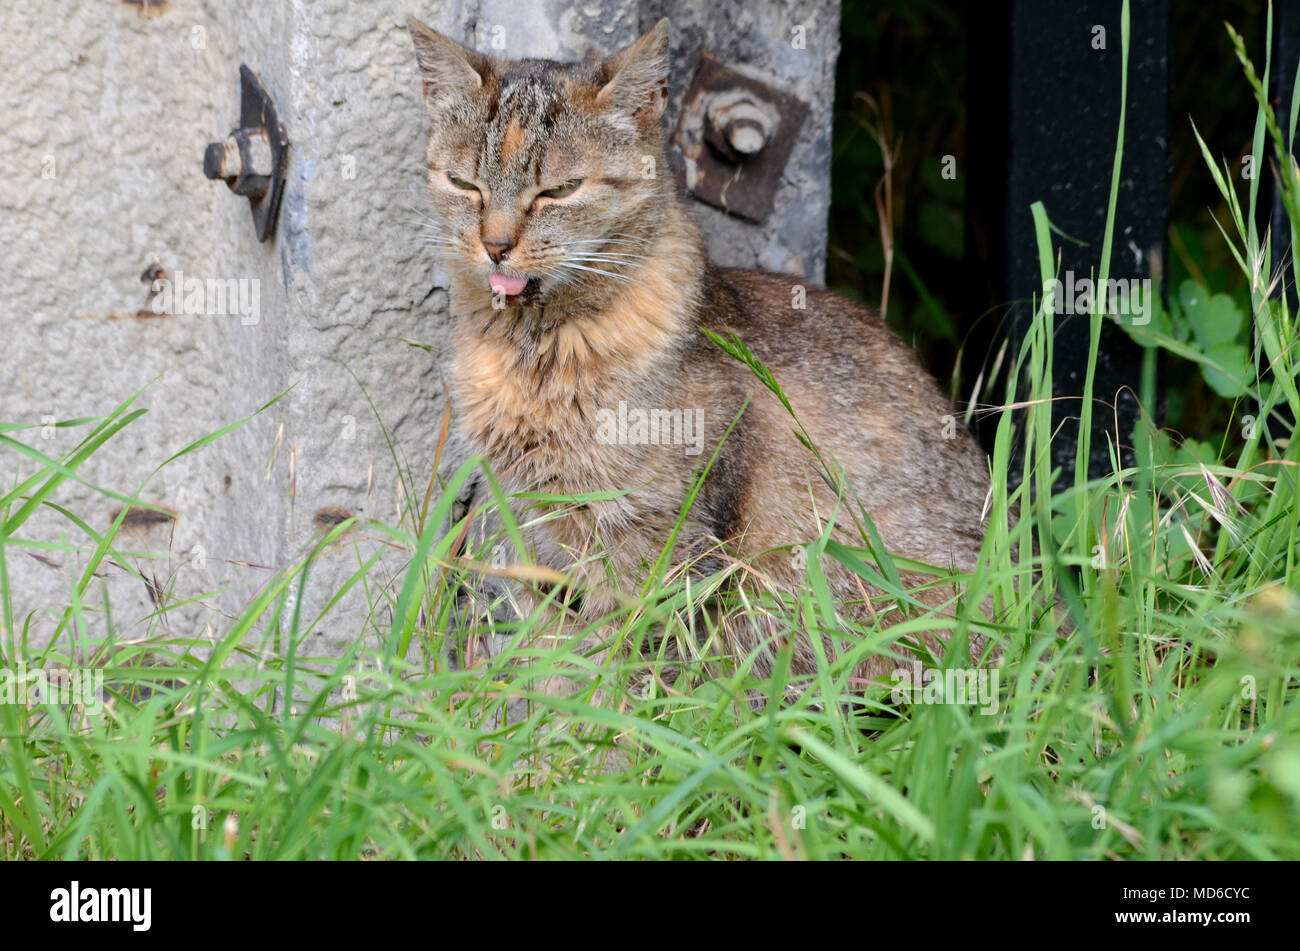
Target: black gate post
[(1043, 113), (1286, 54)]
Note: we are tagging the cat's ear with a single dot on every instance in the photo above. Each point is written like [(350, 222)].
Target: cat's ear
[(636, 79), (446, 67)]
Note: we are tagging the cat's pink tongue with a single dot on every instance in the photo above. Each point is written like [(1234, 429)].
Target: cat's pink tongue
[(505, 284)]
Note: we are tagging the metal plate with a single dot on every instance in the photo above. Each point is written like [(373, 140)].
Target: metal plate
[(714, 172), (257, 110)]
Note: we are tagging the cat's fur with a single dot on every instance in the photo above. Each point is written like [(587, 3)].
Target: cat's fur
[(532, 370)]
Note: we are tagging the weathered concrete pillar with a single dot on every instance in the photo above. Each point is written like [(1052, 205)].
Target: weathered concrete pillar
[(109, 110)]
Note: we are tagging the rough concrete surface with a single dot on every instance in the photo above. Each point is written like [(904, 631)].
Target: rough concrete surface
[(107, 108)]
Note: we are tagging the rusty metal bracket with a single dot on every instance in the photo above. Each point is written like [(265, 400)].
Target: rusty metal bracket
[(253, 159), (736, 134)]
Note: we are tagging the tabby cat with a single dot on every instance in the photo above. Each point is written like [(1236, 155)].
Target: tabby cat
[(579, 289)]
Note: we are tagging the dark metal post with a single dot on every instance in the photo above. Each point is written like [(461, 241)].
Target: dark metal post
[(1286, 54), (1044, 112)]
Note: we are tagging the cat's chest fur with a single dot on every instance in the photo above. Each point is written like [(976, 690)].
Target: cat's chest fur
[(529, 387)]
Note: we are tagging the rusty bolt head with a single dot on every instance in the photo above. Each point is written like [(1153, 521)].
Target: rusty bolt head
[(243, 161), (738, 124), (745, 135), (221, 160)]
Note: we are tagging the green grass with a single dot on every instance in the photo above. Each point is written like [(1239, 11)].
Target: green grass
[(1160, 722)]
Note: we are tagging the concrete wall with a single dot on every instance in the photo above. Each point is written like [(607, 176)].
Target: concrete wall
[(108, 106)]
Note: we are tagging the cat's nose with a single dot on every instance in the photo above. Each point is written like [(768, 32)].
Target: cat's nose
[(497, 250)]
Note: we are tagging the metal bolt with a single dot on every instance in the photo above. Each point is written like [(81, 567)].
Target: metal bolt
[(221, 160), (739, 123), (243, 161), (253, 159), (746, 135)]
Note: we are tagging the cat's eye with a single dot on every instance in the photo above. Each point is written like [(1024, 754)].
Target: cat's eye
[(461, 183), (561, 191)]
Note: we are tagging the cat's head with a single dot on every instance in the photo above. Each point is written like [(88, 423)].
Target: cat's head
[(544, 174)]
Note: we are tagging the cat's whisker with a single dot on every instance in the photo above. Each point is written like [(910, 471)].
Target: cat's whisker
[(439, 242), (602, 242), (603, 248), (613, 258), (560, 276), (596, 270), (621, 237), (440, 249), (611, 251), (556, 275)]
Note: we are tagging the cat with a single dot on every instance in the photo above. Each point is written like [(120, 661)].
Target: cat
[(579, 287)]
